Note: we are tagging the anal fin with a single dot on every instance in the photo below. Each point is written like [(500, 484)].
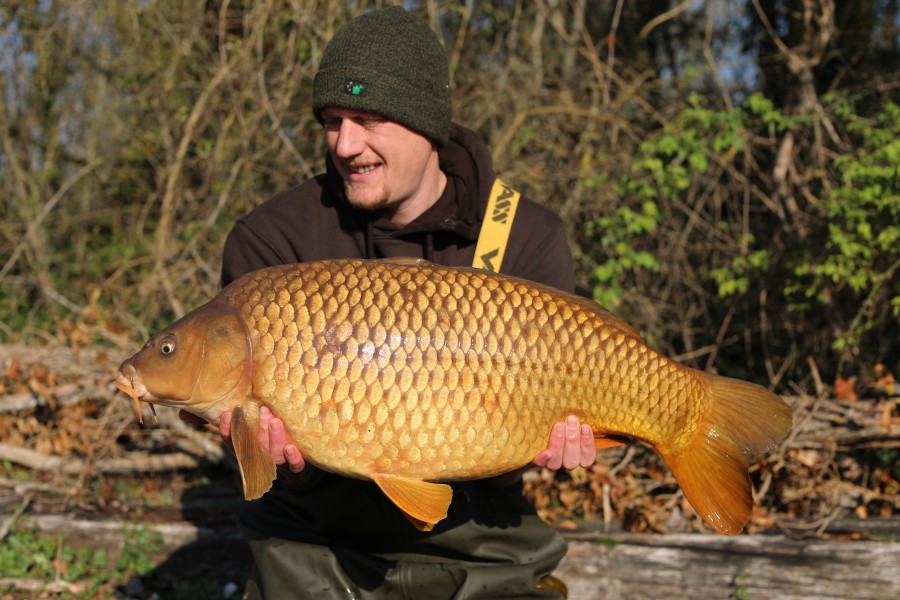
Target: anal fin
[(255, 462), (424, 504)]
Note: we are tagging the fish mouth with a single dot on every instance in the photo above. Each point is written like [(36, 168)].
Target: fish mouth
[(129, 383)]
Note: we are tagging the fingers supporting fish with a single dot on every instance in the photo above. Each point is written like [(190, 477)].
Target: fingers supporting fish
[(571, 457), (580, 450), (225, 429), (294, 457), (588, 447), (273, 436), (571, 445)]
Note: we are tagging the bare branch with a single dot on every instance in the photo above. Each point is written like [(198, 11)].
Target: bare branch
[(45, 210), (662, 18), (136, 462), (54, 586)]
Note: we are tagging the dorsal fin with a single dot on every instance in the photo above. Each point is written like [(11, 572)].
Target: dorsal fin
[(405, 261)]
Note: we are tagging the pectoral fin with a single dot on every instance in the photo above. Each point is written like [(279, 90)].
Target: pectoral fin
[(255, 462), (424, 504), (602, 442)]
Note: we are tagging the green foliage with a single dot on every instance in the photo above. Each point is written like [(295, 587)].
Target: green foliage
[(762, 111), (608, 543), (666, 168), (616, 232), (125, 163), (740, 586), (861, 255), (137, 557), (29, 554), (847, 255), (734, 278)]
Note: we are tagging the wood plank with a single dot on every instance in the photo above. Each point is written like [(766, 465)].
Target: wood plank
[(635, 566)]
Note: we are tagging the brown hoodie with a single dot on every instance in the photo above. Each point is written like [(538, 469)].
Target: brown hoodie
[(314, 221)]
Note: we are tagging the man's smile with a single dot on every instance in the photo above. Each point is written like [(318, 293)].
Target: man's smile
[(361, 169)]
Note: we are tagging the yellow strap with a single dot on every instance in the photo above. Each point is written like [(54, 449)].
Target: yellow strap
[(501, 210)]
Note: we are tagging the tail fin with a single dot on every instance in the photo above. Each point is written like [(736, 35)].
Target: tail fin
[(743, 422)]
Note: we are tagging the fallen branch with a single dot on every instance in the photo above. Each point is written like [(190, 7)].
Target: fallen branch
[(190, 439), (24, 487), (56, 586), (843, 424), (61, 395), (173, 535), (136, 462), (8, 523)]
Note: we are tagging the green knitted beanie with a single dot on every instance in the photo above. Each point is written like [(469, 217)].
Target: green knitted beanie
[(388, 62)]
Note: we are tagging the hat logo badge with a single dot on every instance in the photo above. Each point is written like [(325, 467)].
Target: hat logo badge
[(355, 88)]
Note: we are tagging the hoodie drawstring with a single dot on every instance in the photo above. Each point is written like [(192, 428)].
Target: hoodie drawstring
[(370, 240), (429, 247)]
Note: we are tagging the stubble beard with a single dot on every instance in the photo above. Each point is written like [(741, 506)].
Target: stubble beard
[(365, 200)]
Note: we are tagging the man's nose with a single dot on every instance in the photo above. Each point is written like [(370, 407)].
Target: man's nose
[(350, 139)]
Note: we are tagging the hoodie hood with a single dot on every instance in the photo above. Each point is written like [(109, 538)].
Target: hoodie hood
[(314, 221)]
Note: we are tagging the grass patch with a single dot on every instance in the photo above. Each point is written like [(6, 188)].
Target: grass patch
[(31, 555)]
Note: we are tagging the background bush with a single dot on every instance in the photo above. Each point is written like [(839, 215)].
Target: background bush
[(728, 171)]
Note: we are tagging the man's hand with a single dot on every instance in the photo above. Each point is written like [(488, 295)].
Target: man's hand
[(571, 445), (271, 434)]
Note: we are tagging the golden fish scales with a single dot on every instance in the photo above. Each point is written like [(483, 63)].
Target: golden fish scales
[(360, 360), (408, 373)]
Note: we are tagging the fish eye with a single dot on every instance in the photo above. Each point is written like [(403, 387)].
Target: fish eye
[(167, 346)]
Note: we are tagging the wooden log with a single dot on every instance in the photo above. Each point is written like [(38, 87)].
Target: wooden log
[(111, 532), (635, 566), (623, 566), (136, 462)]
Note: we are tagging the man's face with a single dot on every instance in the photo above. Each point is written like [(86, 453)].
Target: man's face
[(381, 162)]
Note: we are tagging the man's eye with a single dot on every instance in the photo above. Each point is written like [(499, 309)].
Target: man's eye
[(369, 121), (331, 124)]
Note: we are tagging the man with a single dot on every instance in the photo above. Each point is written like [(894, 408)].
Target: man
[(401, 180)]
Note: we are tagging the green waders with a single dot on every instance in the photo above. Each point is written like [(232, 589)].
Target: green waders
[(343, 539)]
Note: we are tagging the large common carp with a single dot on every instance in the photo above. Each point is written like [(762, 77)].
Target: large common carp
[(409, 374)]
